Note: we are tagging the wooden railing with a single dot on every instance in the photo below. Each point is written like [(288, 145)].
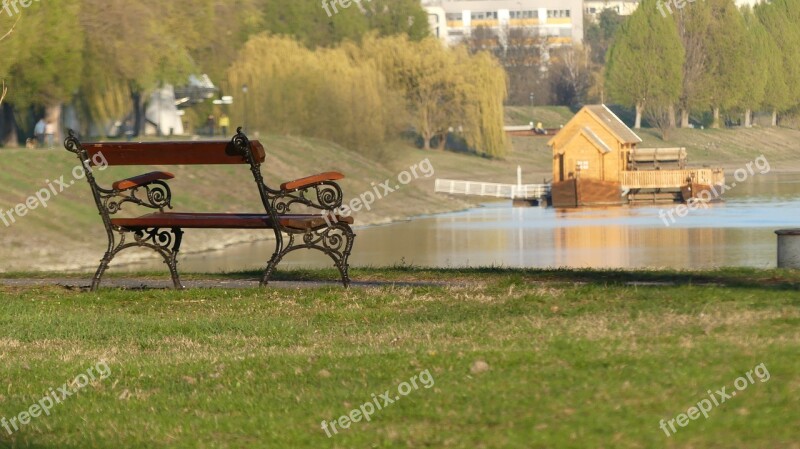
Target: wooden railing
[(513, 191), (665, 179)]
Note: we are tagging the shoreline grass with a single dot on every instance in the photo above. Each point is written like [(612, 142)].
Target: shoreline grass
[(520, 358)]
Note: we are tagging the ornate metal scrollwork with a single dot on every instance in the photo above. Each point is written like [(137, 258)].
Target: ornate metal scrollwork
[(163, 238), (157, 196), (328, 197), (72, 144)]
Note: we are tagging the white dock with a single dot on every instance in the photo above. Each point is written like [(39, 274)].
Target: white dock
[(491, 189)]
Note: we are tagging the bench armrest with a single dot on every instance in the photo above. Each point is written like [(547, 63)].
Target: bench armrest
[(310, 181), (141, 180)]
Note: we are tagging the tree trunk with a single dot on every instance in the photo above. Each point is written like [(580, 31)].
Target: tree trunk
[(442, 141), (639, 110), (684, 118), (774, 117), (715, 123), (138, 113), (8, 134), (672, 123), (426, 140), (748, 118)]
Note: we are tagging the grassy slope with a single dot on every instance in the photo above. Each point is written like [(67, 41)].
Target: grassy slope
[(576, 359), (68, 233)]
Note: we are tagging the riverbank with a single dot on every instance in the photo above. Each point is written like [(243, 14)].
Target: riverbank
[(67, 235), (502, 358)]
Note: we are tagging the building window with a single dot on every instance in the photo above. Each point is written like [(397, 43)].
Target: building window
[(583, 165)]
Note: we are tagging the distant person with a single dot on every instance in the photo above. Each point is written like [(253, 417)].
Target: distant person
[(127, 129), (50, 133), (38, 131), (210, 124), (538, 129), (224, 124)]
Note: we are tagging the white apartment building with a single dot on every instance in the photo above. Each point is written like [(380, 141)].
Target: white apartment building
[(559, 21)]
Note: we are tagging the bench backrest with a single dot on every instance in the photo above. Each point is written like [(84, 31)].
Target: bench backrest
[(171, 153)]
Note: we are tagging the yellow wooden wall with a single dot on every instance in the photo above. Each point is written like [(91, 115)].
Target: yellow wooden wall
[(604, 167)]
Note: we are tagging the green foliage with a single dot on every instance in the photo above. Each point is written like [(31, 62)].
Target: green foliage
[(725, 78), (599, 35), (644, 64), (321, 93), (757, 55), (780, 18), (359, 94), (46, 51), (445, 88)]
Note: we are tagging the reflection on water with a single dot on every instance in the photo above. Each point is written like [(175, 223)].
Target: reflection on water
[(739, 232)]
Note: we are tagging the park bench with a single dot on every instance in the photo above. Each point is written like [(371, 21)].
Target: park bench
[(162, 231)]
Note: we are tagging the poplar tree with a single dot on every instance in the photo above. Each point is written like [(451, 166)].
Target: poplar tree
[(644, 64), (780, 18), (724, 77), (693, 23), (756, 71)]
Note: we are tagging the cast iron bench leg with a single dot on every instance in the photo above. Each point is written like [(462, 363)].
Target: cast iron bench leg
[(336, 241)]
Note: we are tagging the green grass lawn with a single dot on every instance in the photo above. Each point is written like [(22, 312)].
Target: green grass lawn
[(516, 359)]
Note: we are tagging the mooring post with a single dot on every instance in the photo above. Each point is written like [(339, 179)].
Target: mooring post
[(788, 248)]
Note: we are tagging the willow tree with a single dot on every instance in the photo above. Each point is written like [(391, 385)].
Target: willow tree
[(484, 119), (644, 64), (320, 93), (444, 88)]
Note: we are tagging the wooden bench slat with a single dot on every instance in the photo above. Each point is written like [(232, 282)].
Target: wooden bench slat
[(170, 153), (166, 220), (141, 180), (310, 180)]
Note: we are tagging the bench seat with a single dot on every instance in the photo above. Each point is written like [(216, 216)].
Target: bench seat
[(166, 220)]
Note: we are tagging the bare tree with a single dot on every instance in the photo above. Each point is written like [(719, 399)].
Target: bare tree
[(571, 76), (661, 116), (520, 52)]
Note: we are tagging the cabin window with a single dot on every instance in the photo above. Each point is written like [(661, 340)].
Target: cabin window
[(583, 165)]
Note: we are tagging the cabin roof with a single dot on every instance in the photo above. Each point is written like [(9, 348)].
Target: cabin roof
[(614, 124), (591, 137)]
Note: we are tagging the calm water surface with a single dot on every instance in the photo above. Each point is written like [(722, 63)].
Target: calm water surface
[(738, 232)]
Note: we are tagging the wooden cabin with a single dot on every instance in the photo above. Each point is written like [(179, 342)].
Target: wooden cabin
[(589, 155), (596, 163)]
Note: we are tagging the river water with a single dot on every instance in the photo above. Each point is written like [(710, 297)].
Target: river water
[(738, 232)]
